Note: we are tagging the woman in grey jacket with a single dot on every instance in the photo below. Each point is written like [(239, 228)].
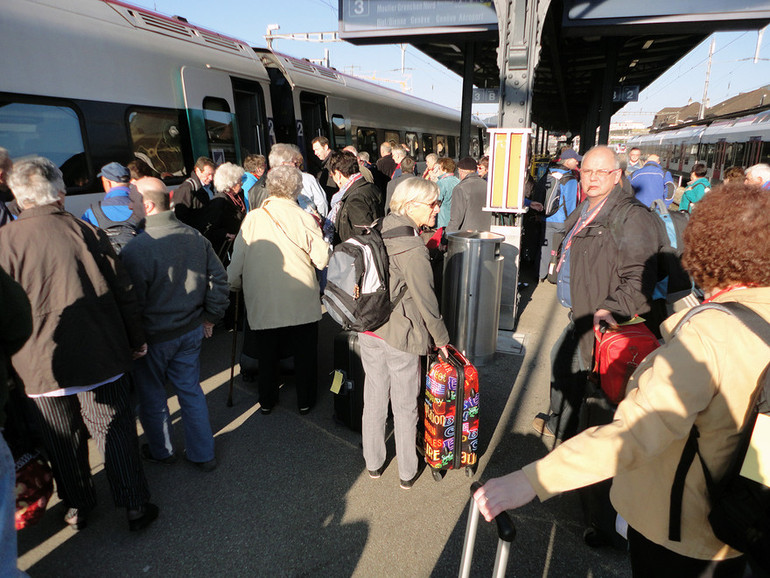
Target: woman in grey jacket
[(391, 354)]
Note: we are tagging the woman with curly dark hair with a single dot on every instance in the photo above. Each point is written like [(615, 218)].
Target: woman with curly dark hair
[(704, 375)]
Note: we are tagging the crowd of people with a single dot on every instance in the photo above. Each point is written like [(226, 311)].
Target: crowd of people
[(122, 297), (116, 302)]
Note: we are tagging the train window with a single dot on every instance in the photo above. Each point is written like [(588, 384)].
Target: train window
[(219, 130), (451, 148), (710, 155), (51, 131), (393, 137), (366, 140), (739, 150), (157, 140), (475, 151), (441, 146), (338, 130), (414, 144), (427, 144)]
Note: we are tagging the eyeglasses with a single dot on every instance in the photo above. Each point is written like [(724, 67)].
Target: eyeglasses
[(600, 173), (432, 205)]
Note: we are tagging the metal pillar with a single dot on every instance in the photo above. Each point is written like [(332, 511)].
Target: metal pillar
[(611, 50), (591, 122), (467, 100), (518, 25)]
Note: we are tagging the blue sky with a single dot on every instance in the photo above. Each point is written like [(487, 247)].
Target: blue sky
[(732, 70)]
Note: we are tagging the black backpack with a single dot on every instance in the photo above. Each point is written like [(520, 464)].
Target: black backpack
[(119, 232), (740, 507), (357, 294)]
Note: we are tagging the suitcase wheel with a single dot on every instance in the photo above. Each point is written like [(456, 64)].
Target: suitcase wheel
[(470, 471), (438, 475)]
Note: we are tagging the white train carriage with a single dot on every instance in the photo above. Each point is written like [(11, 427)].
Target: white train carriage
[(88, 82)]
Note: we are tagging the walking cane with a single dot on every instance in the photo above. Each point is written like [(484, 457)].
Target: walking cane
[(232, 357)]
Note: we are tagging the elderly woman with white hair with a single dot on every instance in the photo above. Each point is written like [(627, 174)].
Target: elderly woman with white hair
[(275, 257), (391, 354), (225, 212), (86, 329)]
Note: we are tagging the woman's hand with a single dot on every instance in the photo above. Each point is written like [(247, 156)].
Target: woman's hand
[(505, 493)]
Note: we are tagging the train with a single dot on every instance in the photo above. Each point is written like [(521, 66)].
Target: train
[(87, 82), (720, 144)]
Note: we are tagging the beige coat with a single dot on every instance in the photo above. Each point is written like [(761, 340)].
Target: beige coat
[(705, 375), (275, 265)]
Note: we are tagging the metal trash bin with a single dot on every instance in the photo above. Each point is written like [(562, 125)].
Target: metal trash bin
[(473, 275)]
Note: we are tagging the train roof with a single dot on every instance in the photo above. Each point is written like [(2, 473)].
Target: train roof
[(751, 127)]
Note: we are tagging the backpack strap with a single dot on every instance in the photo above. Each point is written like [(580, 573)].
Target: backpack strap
[(395, 232), (761, 328)]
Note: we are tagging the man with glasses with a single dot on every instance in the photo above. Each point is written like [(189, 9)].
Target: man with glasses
[(606, 275)]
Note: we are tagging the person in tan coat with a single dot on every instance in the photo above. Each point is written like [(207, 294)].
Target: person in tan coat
[(275, 257), (704, 376)]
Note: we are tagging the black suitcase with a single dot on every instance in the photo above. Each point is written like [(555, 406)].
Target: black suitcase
[(599, 515), (349, 402)]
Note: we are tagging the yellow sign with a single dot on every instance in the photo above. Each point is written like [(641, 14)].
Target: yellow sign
[(507, 170)]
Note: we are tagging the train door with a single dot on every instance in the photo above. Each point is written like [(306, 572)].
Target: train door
[(753, 148), (210, 107), (313, 121), (250, 114), (284, 120), (719, 160)]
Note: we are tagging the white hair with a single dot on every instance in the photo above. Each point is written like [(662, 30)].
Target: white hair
[(36, 182), (284, 154), (412, 190), (399, 154), (227, 177), (364, 156), (284, 181), (761, 171), (5, 160)]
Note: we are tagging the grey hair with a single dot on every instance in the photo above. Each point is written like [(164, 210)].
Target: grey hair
[(412, 190), (385, 148), (227, 177), (36, 182), (399, 154), (431, 157), (5, 160), (284, 154), (284, 181), (761, 171), (364, 156), (615, 158)]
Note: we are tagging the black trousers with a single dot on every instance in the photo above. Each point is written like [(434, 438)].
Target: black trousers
[(650, 560), (104, 413), (568, 384), (302, 341)]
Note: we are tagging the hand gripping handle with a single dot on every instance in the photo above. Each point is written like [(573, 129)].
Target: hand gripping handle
[(505, 532)]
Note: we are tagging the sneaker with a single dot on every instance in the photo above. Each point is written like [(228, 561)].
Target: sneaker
[(208, 466), (374, 474), (147, 456), (140, 518), (76, 518), (540, 425), (266, 410), (407, 484), (304, 410)]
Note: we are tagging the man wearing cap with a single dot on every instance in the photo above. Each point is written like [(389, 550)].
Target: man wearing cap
[(116, 205), (468, 199), (562, 185), (651, 182)]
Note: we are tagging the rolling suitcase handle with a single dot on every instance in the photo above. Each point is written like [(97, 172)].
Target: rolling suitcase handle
[(505, 532)]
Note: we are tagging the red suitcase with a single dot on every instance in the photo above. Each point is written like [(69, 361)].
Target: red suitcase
[(451, 415)]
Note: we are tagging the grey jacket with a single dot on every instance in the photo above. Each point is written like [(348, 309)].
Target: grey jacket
[(416, 318), (178, 279), (468, 199)]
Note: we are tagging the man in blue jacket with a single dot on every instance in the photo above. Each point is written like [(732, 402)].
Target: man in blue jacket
[(652, 182), (562, 180)]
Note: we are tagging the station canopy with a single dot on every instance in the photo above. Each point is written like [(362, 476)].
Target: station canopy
[(576, 38)]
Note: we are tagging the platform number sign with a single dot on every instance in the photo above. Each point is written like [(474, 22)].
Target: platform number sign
[(359, 7), (625, 93)]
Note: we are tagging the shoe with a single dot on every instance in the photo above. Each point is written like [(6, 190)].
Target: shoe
[(147, 456), (374, 474), (140, 518), (407, 484), (76, 518), (266, 410), (540, 425), (304, 410), (208, 466)]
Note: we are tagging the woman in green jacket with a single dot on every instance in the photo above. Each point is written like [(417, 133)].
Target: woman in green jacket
[(699, 185)]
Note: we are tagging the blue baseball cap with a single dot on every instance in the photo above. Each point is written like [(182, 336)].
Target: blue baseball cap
[(115, 172)]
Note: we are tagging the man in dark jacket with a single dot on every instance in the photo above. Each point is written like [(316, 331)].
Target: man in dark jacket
[(360, 203), (321, 150), (468, 200), (182, 289), (407, 168), (385, 164), (86, 327), (606, 274), (193, 195)]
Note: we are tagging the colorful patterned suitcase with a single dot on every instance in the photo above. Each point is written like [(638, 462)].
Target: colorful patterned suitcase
[(451, 415)]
